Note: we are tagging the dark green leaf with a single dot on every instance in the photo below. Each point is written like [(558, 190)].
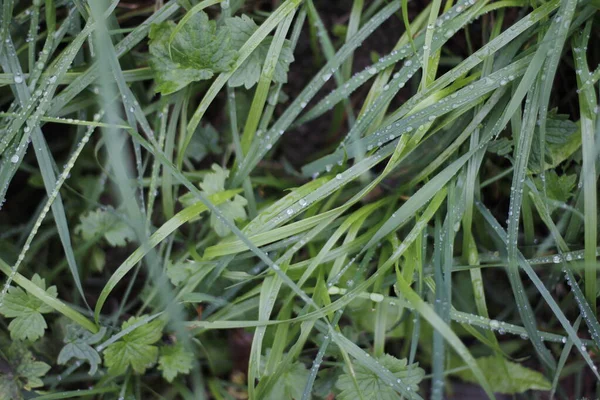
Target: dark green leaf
[(519, 379), (198, 51), (372, 387)]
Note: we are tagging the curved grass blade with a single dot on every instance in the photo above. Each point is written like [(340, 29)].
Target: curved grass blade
[(157, 237)]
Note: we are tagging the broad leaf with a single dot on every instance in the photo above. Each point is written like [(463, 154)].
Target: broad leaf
[(559, 188), (174, 360), (519, 379), (205, 141), (214, 182), (198, 51), (135, 348), (105, 223), (20, 371), (372, 387), (78, 345), (248, 73), (27, 310), (290, 384)]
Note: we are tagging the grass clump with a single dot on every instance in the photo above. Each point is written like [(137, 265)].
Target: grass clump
[(300, 200)]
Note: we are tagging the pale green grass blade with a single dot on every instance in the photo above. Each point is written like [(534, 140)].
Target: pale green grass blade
[(260, 148), (589, 135), (257, 37), (523, 264), (157, 237), (438, 324), (53, 302)]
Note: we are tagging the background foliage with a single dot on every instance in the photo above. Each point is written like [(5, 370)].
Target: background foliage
[(299, 199)]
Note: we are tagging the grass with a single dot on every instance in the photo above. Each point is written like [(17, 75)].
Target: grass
[(160, 238)]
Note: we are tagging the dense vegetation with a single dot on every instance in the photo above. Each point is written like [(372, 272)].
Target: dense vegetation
[(299, 199)]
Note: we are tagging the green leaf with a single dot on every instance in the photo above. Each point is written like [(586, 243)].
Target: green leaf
[(559, 188), (135, 348), (290, 384), (562, 140), (518, 380), (106, 223), (205, 141), (78, 345), (502, 146), (27, 310), (372, 387), (20, 371), (248, 73), (197, 52), (213, 183), (174, 360)]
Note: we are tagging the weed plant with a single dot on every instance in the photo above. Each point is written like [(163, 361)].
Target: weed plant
[(299, 199)]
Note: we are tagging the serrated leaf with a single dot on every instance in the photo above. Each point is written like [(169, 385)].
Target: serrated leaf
[(234, 209), (135, 349), (562, 140), (174, 360), (198, 51), (372, 387), (502, 146), (248, 73), (21, 372), (78, 345), (26, 311), (519, 379), (290, 384), (106, 223), (559, 188)]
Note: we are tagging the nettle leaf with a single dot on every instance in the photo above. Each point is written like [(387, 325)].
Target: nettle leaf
[(79, 343), (135, 348), (559, 188), (27, 310), (21, 371), (248, 73), (290, 384), (106, 223), (198, 51), (174, 360), (519, 379), (372, 387), (234, 209)]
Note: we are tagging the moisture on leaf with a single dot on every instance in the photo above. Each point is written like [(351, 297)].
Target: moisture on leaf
[(106, 223), (175, 360), (20, 370), (290, 384), (249, 72), (198, 50), (78, 345), (135, 348), (233, 209), (372, 386), (518, 380), (26, 311)]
